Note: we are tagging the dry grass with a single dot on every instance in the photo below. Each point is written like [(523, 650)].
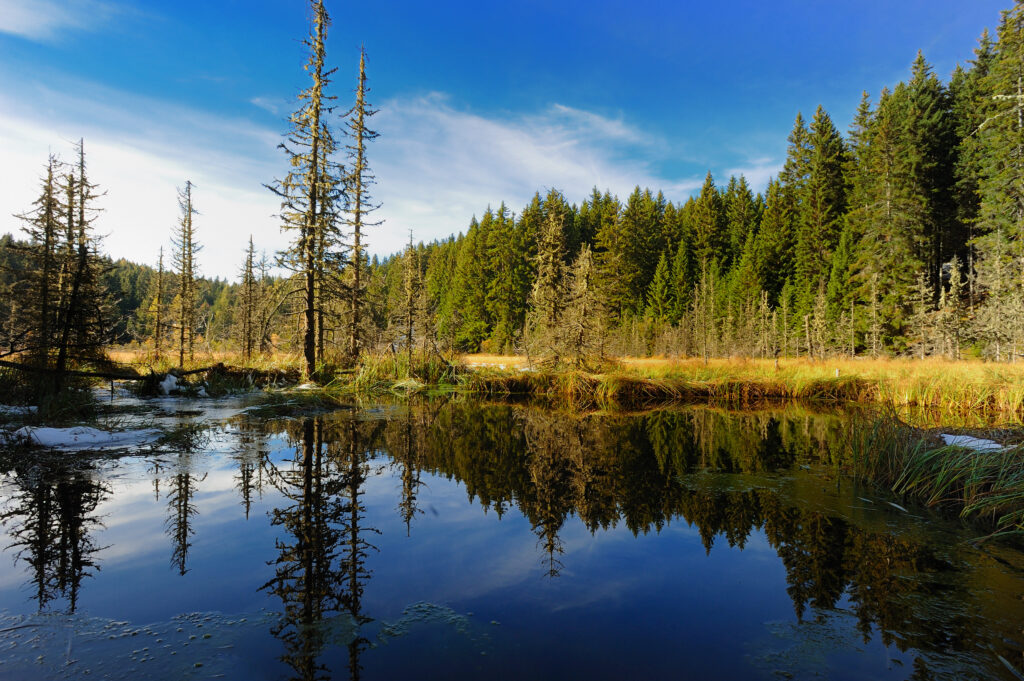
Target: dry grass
[(493, 361), (953, 388), (986, 485), (143, 359)]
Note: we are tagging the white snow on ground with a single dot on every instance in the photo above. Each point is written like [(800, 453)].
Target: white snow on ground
[(16, 411), (169, 383), (82, 437), (968, 442)]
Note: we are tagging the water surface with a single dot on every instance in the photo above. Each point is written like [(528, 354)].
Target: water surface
[(462, 540)]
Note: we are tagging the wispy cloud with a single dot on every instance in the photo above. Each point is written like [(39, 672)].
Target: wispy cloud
[(44, 20), (274, 105), (757, 171), (140, 151), (437, 164)]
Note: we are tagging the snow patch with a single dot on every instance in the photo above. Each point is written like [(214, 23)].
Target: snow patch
[(968, 442), (83, 437), (170, 383), (9, 410)]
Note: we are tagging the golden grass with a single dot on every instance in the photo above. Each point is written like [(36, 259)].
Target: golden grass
[(982, 484), (143, 359), (955, 388), (495, 361)]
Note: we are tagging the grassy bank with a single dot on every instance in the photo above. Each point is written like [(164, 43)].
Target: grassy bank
[(985, 485), (955, 388)]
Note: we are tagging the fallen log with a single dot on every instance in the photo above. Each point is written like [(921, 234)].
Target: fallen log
[(109, 375), (72, 372)]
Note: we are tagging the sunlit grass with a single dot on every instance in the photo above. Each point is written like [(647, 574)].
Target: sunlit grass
[(985, 485), (951, 387)]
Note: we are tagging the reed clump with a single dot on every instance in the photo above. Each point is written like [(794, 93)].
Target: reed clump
[(982, 483), (376, 373)]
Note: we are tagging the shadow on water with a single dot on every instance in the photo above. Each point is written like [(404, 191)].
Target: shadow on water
[(854, 565)]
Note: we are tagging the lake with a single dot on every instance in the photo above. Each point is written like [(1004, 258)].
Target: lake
[(456, 539)]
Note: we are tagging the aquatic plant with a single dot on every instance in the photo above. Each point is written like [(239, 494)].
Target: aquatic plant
[(983, 483)]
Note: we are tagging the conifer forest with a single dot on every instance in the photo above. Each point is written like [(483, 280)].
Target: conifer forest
[(901, 236), (767, 425)]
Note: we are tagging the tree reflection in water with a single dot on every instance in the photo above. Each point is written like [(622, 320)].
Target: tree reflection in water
[(50, 515), (637, 470), (320, 570), (641, 472)]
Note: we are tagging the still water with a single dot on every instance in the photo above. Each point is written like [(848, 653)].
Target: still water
[(453, 539)]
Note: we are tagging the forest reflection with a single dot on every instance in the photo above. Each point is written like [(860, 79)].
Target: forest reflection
[(642, 472), (49, 513), (606, 470), (320, 570)]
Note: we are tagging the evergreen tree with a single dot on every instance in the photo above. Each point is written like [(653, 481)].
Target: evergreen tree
[(584, 312), (611, 255), (681, 284), (741, 216), (660, 298), (777, 240), (708, 226), (359, 181), (185, 248), (508, 287), (821, 204), (891, 222), (970, 94), (311, 186), (1000, 244), (469, 323), (544, 323)]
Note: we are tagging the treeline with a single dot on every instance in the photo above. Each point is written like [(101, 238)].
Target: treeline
[(902, 237), (129, 290)]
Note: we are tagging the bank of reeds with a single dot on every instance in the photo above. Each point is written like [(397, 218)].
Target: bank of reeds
[(948, 388), (985, 485), (393, 372), (952, 388)]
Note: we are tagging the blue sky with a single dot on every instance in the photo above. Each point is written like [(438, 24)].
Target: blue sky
[(479, 102)]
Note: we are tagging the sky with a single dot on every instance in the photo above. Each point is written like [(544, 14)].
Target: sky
[(479, 102)]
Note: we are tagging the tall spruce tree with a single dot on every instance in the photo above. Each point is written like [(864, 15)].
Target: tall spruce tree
[(312, 185), (359, 181), (708, 226), (1000, 243), (185, 248), (969, 90), (544, 323), (821, 204)]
